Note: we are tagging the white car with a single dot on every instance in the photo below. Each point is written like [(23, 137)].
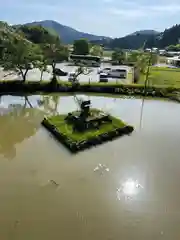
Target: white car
[(103, 77), (105, 70), (118, 73)]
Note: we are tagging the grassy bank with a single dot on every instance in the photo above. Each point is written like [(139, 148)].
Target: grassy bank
[(166, 91)]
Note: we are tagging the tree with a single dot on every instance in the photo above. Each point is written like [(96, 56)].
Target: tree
[(118, 56), (142, 61), (96, 51), (21, 56), (80, 71), (81, 47), (38, 34), (173, 48), (43, 67), (55, 53)]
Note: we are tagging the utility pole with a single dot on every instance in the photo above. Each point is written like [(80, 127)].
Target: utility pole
[(145, 87)]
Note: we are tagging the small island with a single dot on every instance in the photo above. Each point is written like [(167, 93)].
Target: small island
[(85, 128)]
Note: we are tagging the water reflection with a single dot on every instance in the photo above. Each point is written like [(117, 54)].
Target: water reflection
[(17, 122), (49, 104)]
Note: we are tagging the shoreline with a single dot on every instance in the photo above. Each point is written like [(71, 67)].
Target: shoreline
[(14, 87)]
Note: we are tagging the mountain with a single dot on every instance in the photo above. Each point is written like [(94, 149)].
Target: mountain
[(67, 34), (151, 38), (132, 41), (170, 36), (145, 32)]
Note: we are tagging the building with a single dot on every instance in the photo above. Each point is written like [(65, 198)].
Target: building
[(175, 61), (86, 59)]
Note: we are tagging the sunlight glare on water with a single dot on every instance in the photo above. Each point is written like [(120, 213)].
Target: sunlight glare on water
[(128, 189)]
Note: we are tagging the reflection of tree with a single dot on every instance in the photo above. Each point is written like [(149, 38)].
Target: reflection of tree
[(50, 104), (16, 125)]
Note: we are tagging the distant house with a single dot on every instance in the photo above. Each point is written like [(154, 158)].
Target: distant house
[(147, 50), (154, 50), (175, 61), (162, 51)]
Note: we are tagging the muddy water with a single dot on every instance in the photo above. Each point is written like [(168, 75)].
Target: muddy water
[(126, 189)]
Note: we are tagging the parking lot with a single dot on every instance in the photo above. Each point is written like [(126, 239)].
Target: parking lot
[(34, 75)]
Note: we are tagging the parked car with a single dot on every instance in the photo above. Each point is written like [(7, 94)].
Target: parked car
[(99, 71), (105, 70), (103, 77), (118, 73)]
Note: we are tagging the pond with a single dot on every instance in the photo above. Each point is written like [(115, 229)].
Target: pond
[(125, 189)]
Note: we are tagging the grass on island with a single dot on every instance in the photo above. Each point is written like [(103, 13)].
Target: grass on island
[(67, 129), (162, 76)]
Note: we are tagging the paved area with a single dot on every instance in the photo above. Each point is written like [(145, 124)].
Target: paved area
[(34, 75)]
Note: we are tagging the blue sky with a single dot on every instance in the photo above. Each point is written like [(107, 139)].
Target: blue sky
[(114, 18)]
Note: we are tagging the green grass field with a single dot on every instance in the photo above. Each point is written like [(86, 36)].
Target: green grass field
[(162, 76), (107, 53), (67, 129)]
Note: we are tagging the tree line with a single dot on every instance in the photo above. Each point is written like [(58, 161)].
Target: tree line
[(30, 47), (26, 47)]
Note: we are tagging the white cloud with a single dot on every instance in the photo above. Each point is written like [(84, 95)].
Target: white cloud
[(143, 11), (127, 12), (173, 8)]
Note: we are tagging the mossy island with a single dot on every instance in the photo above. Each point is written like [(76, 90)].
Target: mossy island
[(84, 128)]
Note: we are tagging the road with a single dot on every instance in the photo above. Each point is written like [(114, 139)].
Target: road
[(34, 75)]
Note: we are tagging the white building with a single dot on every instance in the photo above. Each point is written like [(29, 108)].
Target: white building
[(175, 61)]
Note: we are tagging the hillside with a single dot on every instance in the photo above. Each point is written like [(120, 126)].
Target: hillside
[(33, 35), (132, 41), (145, 32), (48, 31), (67, 34), (151, 38), (8, 33), (170, 36), (129, 42)]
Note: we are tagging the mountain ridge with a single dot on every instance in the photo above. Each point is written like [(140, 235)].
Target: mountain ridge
[(145, 32), (67, 34), (147, 38)]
